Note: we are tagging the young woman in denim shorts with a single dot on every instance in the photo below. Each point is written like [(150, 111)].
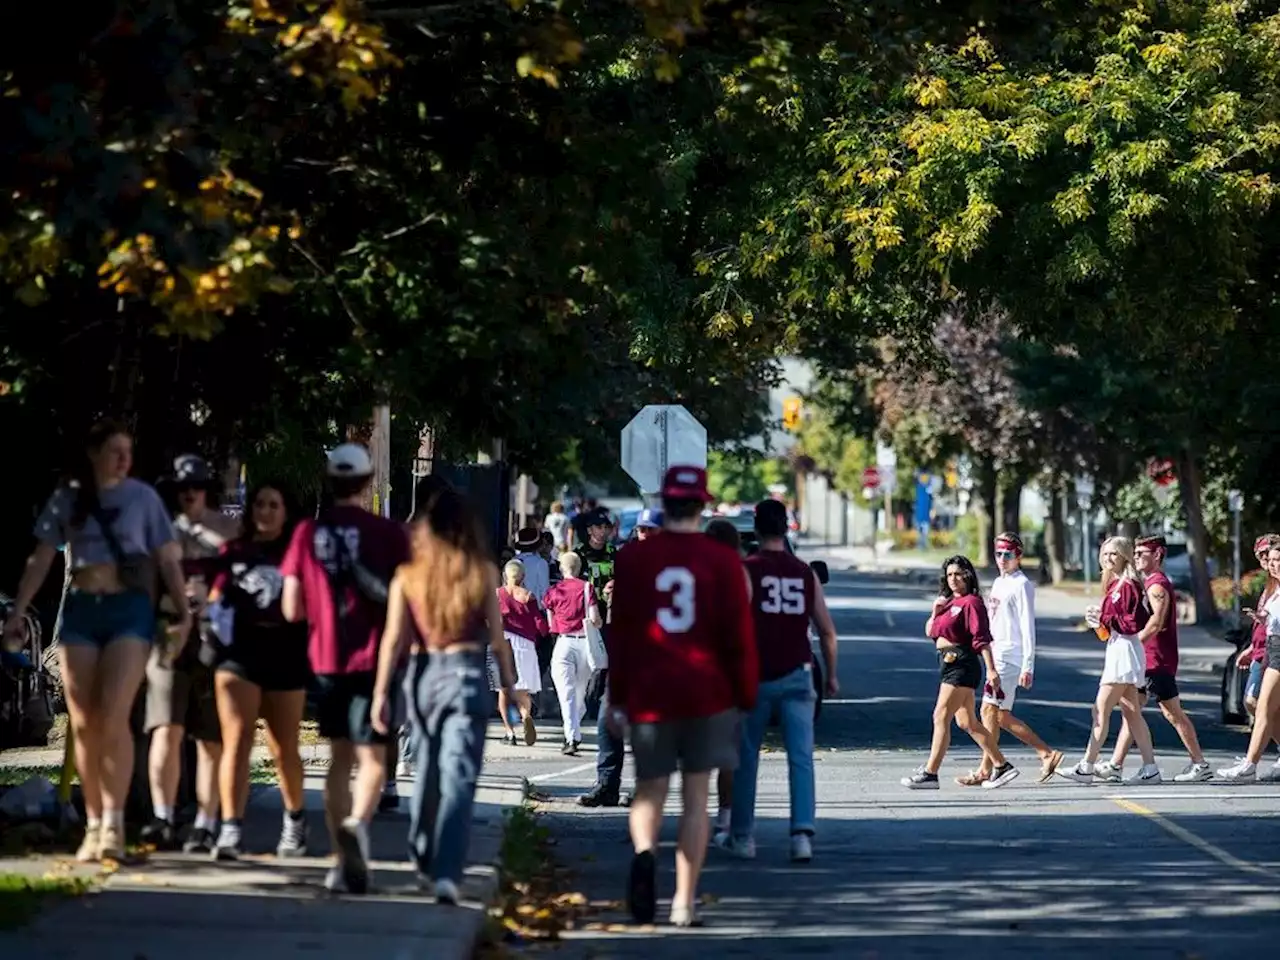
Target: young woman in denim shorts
[(117, 534)]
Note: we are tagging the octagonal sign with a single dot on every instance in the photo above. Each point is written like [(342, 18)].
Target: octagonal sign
[(659, 436)]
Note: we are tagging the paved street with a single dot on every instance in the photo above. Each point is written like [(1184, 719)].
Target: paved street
[(1060, 869)]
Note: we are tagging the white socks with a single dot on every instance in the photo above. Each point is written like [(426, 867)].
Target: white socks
[(163, 812)]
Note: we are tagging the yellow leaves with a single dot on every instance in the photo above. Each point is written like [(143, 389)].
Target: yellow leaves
[(1170, 52), (666, 68), (1073, 204), (978, 47), (528, 66), (1217, 115), (1027, 138), (929, 91)]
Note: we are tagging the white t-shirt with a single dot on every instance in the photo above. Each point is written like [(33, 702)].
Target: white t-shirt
[(1272, 610), (558, 524), (1011, 606)]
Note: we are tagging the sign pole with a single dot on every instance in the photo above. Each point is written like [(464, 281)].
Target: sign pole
[(1235, 500)]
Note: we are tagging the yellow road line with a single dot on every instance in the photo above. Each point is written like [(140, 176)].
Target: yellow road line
[(1189, 838)]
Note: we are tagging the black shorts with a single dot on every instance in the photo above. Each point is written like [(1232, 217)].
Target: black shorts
[(273, 660), (1161, 685), (963, 669), (343, 707), (270, 677)]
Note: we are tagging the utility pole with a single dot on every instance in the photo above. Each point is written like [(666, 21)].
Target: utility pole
[(380, 454)]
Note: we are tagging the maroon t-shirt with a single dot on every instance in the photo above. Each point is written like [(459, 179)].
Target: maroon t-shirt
[(682, 642), (781, 605), (340, 560), (1162, 649), (523, 619), (1259, 650), (964, 623), (1122, 608)]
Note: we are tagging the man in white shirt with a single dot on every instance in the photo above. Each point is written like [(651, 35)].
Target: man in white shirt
[(557, 522), (537, 575), (1012, 607)]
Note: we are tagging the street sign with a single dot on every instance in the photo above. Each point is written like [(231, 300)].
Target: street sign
[(659, 436), (886, 458), (1235, 501), (871, 477), (888, 480)]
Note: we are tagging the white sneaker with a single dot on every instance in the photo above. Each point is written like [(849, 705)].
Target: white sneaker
[(742, 849), (1147, 774), (1194, 773), (1272, 775), (1242, 772), (801, 848), (333, 881), (1109, 772), (404, 771), (353, 854), (723, 818), (447, 892), (1082, 772)]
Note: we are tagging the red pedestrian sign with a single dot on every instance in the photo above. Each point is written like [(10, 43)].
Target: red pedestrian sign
[(871, 477)]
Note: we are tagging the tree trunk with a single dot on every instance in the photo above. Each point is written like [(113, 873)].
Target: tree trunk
[(1188, 471), (1010, 512), (1055, 536), (985, 508)]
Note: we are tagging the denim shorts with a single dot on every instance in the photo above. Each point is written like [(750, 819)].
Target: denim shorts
[(99, 618), (1253, 687)]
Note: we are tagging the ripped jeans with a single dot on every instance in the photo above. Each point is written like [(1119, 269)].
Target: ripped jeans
[(449, 710)]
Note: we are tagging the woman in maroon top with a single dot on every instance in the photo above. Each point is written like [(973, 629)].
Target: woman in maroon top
[(523, 624), (962, 635), (569, 604), (1119, 620), (1253, 657)]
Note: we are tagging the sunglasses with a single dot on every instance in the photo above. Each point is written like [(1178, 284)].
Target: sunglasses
[(1005, 554)]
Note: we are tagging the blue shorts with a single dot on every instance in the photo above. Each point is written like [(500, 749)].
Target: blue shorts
[(99, 618), (1253, 688)]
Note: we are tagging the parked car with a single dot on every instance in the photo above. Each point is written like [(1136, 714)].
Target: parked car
[(1177, 567), (1234, 679)]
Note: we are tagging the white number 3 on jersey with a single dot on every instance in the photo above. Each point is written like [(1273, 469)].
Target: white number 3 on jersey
[(783, 595), (677, 617)]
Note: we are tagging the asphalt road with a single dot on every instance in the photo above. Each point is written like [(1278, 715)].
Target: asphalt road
[(1058, 869)]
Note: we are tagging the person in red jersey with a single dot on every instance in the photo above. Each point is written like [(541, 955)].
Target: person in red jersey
[(961, 633), (683, 665), (785, 597), (337, 574), (1160, 641)]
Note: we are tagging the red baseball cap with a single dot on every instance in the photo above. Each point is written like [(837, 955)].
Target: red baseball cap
[(686, 483)]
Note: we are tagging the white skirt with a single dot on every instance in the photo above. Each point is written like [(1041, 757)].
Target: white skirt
[(1125, 662), (525, 654)]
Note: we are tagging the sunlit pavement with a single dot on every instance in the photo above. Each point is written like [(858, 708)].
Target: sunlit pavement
[(1028, 870)]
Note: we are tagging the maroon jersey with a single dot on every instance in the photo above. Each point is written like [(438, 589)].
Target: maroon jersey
[(344, 563), (963, 622), (681, 642), (1162, 649), (781, 604), (1122, 609)]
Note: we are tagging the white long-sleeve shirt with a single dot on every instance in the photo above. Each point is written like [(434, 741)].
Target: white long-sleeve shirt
[(537, 575), (1012, 608)]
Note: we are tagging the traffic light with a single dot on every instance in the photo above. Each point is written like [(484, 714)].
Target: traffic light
[(791, 408)]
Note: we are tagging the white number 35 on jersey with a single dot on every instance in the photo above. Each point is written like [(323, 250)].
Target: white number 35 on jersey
[(678, 615), (782, 595)]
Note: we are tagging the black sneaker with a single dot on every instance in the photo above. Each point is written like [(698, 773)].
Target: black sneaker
[(160, 834), (921, 780), (570, 749), (600, 796), (293, 837), (1001, 775), (199, 840), (642, 887)]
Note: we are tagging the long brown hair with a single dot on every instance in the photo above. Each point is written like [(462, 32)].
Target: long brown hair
[(447, 582)]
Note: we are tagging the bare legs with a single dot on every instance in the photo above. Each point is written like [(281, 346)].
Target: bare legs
[(691, 845), (958, 703)]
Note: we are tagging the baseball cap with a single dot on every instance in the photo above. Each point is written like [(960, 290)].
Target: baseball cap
[(650, 517), (190, 469), (599, 517), (686, 483), (349, 460)]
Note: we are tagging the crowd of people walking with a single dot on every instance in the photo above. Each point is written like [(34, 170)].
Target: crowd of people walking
[(403, 638)]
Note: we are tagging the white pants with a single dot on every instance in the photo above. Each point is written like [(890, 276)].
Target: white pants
[(571, 673)]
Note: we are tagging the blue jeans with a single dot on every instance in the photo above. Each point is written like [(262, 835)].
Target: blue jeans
[(449, 711), (1253, 687), (793, 696), (611, 752)]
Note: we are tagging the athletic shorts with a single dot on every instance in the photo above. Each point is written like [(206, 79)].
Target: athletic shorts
[(344, 703), (692, 745), (97, 619), (960, 667), (182, 695), (1161, 685)]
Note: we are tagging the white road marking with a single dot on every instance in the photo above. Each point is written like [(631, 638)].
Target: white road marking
[(569, 771)]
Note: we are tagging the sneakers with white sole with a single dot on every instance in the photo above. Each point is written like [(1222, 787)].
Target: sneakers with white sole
[(922, 779), (1005, 773), (1147, 774), (1272, 775), (1241, 772), (801, 848), (744, 848), (1109, 772), (1082, 772), (1194, 773)]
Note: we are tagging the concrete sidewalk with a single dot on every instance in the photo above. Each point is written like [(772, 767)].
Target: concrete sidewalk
[(179, 907)]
